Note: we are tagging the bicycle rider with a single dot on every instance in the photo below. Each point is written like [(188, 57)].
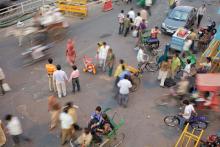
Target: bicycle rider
[(184, 117)]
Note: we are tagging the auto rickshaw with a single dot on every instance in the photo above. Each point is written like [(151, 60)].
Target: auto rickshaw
[(209, 83)]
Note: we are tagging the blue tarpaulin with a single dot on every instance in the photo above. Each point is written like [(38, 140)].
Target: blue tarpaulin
[(217, 35)]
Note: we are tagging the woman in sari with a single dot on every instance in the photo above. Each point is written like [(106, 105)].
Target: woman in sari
[(70, 52)]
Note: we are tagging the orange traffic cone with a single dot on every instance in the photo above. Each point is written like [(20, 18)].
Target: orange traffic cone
[(107, 5)]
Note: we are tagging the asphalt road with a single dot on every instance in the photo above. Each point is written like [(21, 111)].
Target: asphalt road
[(144, 125)]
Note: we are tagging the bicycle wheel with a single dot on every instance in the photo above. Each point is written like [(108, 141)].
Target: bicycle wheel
[(171, 121), (152, 67), (135, 80), (118, 140), (199, 125)]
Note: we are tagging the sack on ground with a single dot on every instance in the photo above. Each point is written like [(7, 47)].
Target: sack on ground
[(169, 82), (134, 33), (6, 87)]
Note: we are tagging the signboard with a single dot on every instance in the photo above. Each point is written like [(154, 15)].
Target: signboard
[(82, 9), (82, 2)]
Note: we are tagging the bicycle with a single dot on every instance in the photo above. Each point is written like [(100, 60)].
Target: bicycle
[(148, 66), (196, 122)]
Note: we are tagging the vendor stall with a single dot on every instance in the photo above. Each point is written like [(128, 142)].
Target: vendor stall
[(178, 39)]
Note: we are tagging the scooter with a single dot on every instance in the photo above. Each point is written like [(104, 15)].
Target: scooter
[(36, 53)]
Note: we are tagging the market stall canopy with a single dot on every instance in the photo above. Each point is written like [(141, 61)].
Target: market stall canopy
[(208, 82)]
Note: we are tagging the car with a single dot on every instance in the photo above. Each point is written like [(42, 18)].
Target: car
[(180, 16)]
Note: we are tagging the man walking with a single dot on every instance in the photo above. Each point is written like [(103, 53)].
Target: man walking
[(148, 4), (2, 77), (121, 18), (14, 129), (165, 68), (200, 14), (60, 77), (50, 68), (127, 24), (66, 126), (75, 78), (124, 86)]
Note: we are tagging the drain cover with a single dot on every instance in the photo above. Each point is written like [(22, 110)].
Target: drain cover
[(105, 35)]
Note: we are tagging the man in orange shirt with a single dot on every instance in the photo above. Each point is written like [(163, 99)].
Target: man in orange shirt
[(50, 68), (154, 32)]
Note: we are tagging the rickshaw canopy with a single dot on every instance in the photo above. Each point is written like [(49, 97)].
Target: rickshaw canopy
[(208, 82)]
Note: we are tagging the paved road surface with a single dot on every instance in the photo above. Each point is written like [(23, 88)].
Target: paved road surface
[(28, 98)]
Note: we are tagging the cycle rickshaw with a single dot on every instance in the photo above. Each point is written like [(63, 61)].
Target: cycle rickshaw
[(208, 83), (112, 139)]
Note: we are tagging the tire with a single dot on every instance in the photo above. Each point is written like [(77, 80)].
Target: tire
[(136, 81), (171, 121), (118, 140), (152, 67), (199, 125)]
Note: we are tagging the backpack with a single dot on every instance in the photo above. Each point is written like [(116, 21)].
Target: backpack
[(169, 82)]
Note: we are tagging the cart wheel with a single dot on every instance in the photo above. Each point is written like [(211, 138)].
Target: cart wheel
[(117, 140)]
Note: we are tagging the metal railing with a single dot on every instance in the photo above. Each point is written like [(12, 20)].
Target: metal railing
[(22, 8)]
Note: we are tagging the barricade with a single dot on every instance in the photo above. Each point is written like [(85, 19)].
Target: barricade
[(107, 5)]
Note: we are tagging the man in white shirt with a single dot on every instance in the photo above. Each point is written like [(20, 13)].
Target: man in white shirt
[(124, 86), (66, 126), (200, 13), (103, 51), (14, 129), (121, 18), (188, 110), (131, 14), (187, 68), (137, 20), (140, 57), (60, 79)]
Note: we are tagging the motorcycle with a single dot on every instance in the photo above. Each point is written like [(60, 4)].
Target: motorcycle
[(209, 28), (36, 53)]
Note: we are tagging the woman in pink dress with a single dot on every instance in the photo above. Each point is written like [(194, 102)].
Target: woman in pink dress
[(70, 52)]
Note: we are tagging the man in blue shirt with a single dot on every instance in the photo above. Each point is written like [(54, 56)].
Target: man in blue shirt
[(124, 72)]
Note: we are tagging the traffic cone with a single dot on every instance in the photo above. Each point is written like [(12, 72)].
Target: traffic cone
[(107, 5)]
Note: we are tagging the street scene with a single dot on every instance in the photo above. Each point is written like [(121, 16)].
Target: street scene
[(119, 73)]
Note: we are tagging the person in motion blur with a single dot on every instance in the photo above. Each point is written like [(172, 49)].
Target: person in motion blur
[(72, 112), (54, 109), (2, 77), (66, 126), (14, 129), (2, 134), (70, 52)]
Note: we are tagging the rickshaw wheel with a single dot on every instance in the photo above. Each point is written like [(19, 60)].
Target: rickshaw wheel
[(117, 140)]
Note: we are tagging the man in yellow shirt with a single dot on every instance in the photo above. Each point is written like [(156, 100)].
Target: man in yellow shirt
[(50, 68), (175, 65)]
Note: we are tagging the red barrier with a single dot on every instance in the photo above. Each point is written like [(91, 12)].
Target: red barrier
[(107, 6)]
